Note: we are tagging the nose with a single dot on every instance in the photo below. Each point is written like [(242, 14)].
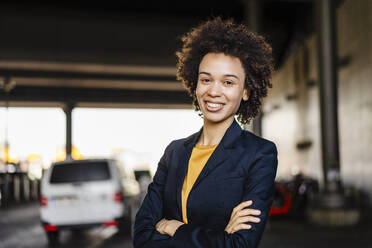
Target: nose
[(215, 89)]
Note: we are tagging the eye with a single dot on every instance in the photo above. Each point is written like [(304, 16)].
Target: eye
[(229, 83), (205, 80)]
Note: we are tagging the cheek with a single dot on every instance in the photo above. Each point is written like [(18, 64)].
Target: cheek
[(199, 91), (236, 98), (235, 102), (198, 97)]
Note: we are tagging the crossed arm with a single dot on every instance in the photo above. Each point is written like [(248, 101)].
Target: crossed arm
[(151, 230), (239, 216)]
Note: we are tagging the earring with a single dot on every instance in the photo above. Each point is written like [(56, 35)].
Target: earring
[(245, 95)]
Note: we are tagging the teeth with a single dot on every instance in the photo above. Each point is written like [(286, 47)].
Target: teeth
[(213, 105)]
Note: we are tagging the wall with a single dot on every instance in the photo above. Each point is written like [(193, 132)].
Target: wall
[(292, 111)]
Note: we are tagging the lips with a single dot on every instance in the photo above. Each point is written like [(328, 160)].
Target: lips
[(213, 107)]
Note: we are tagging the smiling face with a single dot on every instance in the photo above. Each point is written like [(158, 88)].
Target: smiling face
[(220, 87)]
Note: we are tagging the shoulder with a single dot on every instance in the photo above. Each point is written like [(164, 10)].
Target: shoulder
[(177, 144), (262, 155), (258, 144), (181, 143)]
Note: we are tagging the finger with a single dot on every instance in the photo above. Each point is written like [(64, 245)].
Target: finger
[(248, 219), (164, 223), (241, 227), (248, 211), (241, 206), (229, 229), (163, 228), (245, 220), (159, 222), (245, 212), (158, 228)]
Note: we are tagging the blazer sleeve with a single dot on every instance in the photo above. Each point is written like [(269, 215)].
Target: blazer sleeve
[(151, 210), (259, 188)]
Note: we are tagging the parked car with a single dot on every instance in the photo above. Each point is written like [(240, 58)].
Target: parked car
[(87, 193), (292, 197)]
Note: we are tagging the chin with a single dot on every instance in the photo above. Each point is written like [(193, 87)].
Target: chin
[(215, 119)]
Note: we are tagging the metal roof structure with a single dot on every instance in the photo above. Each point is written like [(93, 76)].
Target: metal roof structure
[(121, 54)]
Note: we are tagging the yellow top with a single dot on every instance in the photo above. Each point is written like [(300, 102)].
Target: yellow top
[(199, 157)]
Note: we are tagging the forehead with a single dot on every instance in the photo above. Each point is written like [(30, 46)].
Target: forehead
[(221, 64)]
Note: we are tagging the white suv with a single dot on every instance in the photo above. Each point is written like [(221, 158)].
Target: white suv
[(87, 193)]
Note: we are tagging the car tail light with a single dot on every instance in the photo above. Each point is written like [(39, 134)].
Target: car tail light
[(50, 228), (286, 206), (118, 197), (110, 223), (43, 201)]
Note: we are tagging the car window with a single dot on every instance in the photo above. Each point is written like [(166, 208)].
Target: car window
[(80, 172)]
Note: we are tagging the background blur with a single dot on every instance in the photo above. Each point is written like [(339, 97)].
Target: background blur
[(80, 80)]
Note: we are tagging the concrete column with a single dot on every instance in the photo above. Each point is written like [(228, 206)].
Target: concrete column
[(330, 207), (253, 14), (327, 61), (253, 17), (68, 111), (257, 125)]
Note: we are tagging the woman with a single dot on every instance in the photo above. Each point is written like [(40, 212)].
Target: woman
[(215, 188)]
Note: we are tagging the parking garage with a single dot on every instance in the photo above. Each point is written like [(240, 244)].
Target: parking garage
[(75, 56)]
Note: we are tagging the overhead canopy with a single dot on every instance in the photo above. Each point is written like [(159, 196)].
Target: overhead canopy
[(118, 54)]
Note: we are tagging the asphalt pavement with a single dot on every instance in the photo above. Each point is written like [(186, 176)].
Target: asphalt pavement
[(20, 228)]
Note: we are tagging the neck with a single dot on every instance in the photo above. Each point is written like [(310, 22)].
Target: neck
[(213, 132)]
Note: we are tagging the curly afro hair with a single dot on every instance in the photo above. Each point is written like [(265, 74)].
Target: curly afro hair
[(225, 36)]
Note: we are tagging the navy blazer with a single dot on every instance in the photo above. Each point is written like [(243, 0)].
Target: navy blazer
[(242, 167)]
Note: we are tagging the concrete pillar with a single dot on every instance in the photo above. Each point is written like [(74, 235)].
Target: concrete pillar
[(16, 187), (68, 111), (34, 194), (25, 187), (253, 17), (327, 61), (257, 125), (253, 14), (331, 207)]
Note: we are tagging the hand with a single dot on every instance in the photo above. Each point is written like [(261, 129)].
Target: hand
[(168, 227), (240, 215)]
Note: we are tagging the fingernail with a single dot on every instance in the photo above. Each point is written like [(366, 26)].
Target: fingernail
[(250, 201)]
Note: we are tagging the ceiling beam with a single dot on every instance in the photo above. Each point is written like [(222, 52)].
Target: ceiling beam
[(93, 95)]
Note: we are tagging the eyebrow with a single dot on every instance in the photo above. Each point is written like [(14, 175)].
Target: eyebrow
[(226, 75)]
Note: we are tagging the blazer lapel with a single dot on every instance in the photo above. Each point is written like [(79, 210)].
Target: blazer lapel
[(219, 156), (183, 162)]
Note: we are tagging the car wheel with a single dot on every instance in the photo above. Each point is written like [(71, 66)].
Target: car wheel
[(53, 238), (132, 219), (127, 222)]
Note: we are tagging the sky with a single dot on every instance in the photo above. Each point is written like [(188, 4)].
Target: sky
[(96, 132)]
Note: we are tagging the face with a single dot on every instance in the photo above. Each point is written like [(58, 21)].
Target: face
[(220, 87)]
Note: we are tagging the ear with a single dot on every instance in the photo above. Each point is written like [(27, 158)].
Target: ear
[(245, 95)]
